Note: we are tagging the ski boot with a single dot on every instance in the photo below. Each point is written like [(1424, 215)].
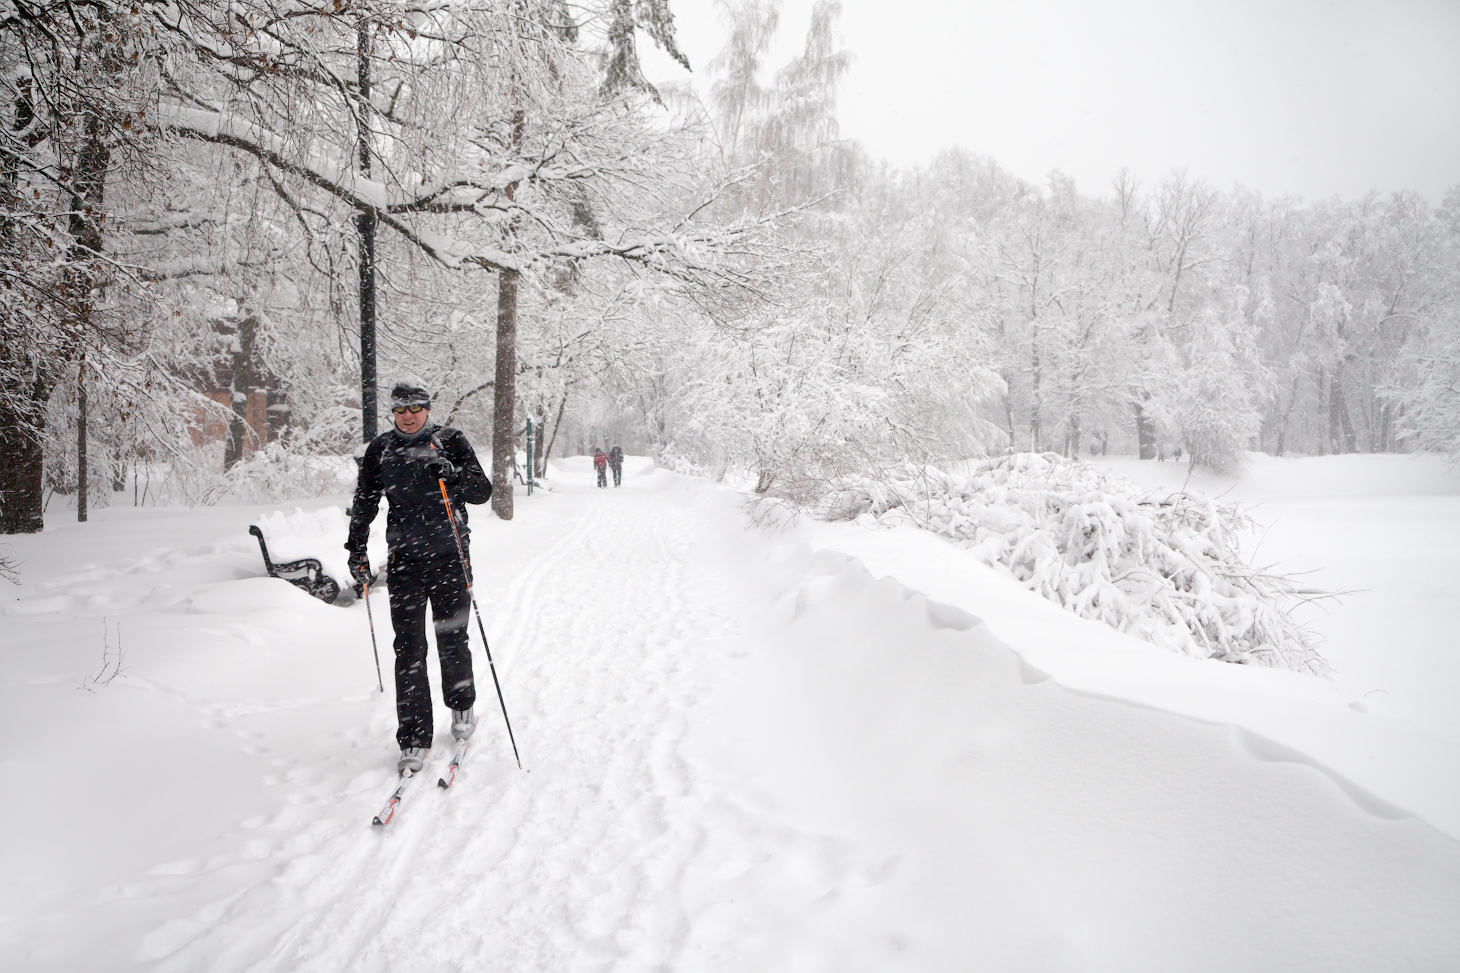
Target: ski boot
[(412, 759), (463, 723)]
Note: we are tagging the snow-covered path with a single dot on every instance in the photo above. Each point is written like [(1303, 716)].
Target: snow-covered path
[(572, 866), (742, 756)]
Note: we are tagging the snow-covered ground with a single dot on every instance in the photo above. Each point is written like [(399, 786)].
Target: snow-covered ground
[(747, 750), (1383, 529)]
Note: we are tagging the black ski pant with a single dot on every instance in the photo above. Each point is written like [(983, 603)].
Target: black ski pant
[(618, 475), (602, 473), (412, 584)]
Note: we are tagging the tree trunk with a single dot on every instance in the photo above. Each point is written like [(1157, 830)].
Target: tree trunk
[(22, 473), (1009, 406), (365, 229), (1036, 406), (543, 454), (1145, 429), (1282, 443), (81, 471), (504, 397), (22, 413), (119, 469), (238, 430), (84, 224), (1339, 423)]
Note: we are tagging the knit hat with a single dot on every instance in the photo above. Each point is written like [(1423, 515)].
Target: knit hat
[(409, 391)]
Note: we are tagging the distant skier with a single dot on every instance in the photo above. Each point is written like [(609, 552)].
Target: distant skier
[(616, 463), (600, 463), (408, 464)]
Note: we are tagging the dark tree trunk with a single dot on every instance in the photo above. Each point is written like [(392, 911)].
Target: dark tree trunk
[(1340, 426), (505, 394), (1386, 430), (88, 192), (543, 454), (1282, 442), (81, 471), (23, 409), (119, 470), (365, 228), (238, 430), (1145, 429), (20, 474), (1009, 416), (1036, 429), (22, 423)]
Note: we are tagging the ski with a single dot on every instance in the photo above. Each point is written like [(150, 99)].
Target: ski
[(456, 758), (387, 813)]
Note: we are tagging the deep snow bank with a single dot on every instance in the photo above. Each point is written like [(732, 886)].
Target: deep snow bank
[(1395, 633), (974, 814)]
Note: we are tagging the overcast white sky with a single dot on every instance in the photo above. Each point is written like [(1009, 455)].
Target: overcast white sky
[(1308, 97)]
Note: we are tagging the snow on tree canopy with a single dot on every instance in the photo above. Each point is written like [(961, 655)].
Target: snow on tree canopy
[(1164, 569)]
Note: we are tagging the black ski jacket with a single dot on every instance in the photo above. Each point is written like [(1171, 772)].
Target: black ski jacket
[(416, 528)]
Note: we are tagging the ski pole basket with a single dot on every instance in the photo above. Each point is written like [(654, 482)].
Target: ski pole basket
[(306, 574)]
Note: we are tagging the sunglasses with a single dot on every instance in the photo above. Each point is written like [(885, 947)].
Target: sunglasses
[(412, 409)]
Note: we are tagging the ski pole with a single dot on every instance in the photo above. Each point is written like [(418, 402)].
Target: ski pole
[(375, 648), (466, 576)]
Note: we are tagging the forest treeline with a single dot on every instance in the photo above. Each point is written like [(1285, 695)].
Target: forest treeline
[(200, 202)]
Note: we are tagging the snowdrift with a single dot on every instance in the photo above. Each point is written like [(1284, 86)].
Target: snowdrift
[(929, 800), (1164, 567)]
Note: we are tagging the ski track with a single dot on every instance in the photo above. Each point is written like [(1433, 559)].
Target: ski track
[(576, 865)]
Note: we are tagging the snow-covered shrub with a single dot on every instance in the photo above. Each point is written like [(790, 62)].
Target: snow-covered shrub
[(673, 459), (1166, 569), (304, 463), (276, 472)]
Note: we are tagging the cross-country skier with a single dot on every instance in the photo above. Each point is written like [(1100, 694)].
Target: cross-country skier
[(600, 465), (408, 464), (616, 463)]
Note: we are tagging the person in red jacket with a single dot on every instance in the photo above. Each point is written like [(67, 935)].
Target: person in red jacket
[(600, 463)]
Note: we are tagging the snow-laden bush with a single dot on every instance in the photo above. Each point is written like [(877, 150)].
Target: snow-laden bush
[(276, 472), (1166, 569), (308, 461), (304, 463)]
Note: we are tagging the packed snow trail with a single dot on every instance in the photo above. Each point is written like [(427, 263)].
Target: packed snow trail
[(571, 866), (741, 756)]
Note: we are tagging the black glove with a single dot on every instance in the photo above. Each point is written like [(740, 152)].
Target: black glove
[(443, 469), (359, 564)]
